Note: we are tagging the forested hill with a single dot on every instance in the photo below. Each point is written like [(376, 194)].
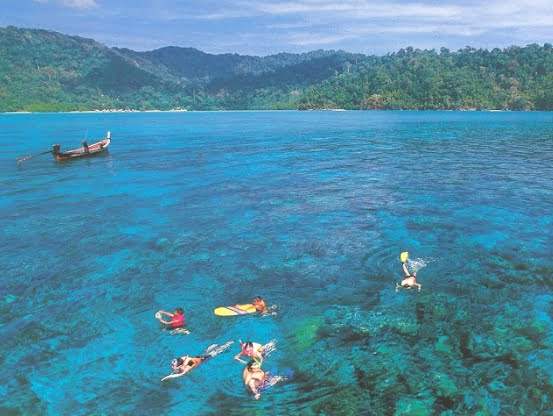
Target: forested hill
[(192, 63), (516, 78), (48, 71)]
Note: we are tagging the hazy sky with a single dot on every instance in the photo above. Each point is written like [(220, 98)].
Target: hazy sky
[(266, 27)]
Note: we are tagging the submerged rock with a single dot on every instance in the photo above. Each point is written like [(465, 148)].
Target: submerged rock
[(522, 344), (484, 348), (445, 386), (304, 333), (404, 326), (444, 345), (322, 363), (419, 407), (533, 328), (162, 242), (341, 403), (9, 298)]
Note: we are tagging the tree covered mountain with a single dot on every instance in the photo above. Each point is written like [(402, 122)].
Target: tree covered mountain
[(192, 63), (47, 71), (515, 78)]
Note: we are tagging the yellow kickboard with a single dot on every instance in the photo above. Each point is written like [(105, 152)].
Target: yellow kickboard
[(403, 256), (234, 310)]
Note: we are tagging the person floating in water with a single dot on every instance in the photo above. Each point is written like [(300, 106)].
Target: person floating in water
[(410, 280), (250, 350), (177, 319), (259, 304), (184, 364), (256, 379)]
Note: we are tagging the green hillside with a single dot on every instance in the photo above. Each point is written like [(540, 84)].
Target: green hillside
[(515, 78), (194, 64), (47, 71)]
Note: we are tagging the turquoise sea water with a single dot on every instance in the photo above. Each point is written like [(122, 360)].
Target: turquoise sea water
[(309, 210)]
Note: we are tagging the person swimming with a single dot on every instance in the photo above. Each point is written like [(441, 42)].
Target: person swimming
[(177, 319), (254, 378), (258, 380), (184, 364), (259, 304), (410, 280), (252, 350)]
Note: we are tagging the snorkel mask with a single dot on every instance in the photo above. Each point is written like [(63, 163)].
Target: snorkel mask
[(179, 367)]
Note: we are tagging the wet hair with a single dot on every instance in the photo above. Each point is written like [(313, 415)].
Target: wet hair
[(258, 299), (180, 311), (248, 344), (250, 364), (180, 361)]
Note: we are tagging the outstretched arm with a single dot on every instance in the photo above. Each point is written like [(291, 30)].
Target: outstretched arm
[(176, 375), (237, 358), (405, 270), (419, 286), (160, 319), (173, 376)]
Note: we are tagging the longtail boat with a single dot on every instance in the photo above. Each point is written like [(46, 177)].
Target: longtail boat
[(85, 150)]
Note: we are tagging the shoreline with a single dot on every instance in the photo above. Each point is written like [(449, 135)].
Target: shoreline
[(112, 110), (119, 111)]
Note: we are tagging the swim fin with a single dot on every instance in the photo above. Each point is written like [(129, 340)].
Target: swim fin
[(403, 256)]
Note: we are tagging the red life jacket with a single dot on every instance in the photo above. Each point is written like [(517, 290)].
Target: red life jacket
[(247, 351), (177, 321)]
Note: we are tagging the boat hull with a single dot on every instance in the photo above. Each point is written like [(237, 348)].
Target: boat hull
[(93, 149)]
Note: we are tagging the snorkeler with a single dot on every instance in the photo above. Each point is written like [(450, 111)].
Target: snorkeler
[(256, 379), (177, 319), (259, 305), (183, 365), (410, 280), (250, 350)]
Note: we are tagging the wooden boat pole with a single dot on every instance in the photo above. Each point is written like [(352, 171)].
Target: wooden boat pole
[(23, 159)]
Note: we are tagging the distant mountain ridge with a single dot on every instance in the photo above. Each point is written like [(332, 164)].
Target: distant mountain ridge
[(192, 63), (43, 70)]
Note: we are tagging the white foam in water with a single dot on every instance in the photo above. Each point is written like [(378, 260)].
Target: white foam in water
[(269, 347), (414, 265), (214, 349)]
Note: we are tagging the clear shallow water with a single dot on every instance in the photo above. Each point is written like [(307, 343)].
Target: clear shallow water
[(309, 210)]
